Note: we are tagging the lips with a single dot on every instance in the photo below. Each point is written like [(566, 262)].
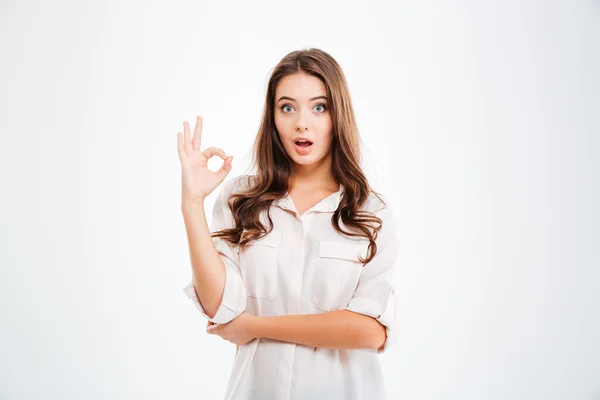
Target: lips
[(303, 148), (303, 143)]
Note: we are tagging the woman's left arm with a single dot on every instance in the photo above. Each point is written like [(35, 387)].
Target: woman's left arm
[(340, 329)]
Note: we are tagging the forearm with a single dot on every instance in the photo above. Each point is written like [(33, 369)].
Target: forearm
[(342, 329), (208, 268)]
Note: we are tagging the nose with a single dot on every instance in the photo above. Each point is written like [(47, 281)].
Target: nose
[(301, 124)]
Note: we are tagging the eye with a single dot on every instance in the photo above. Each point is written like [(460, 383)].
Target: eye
[(321, 105), (283, 108)]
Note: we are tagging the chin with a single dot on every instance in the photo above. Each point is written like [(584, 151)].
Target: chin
[(307, 160), (304, 161)]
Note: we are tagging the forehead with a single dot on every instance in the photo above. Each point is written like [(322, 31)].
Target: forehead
[(300, 86)]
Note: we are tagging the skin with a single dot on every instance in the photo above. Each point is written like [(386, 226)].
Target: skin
[(311, 181)]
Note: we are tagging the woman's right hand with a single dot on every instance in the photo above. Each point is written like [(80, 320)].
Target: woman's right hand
[(197, 180)]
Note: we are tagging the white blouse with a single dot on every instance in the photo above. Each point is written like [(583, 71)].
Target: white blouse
[(304, 266)]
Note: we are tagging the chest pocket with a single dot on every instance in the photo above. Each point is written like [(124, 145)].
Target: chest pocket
[(337, 270), (258, 264)]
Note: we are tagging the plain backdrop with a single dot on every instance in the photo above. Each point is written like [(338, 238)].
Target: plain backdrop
[(478, 119)]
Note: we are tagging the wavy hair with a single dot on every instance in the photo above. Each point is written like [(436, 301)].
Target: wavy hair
[(274, 166)]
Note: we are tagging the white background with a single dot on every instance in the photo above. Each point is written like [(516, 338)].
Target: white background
[(479, 119)]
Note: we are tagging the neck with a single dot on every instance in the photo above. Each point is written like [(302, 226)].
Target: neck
[(314, 176)]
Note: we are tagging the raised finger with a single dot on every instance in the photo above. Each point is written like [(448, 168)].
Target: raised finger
[(180, 148), (212, 151), (197, 133), (187, 139)]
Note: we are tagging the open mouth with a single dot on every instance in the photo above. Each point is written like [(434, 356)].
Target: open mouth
[(303, 143)]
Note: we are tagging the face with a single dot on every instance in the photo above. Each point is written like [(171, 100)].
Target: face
[(302, 111)]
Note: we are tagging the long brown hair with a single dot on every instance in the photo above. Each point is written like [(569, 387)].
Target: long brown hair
[(274, 166)]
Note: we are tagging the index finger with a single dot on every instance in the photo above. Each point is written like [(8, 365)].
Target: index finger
[(197, 133)]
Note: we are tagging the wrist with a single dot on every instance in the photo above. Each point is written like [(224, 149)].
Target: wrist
[(256, 326), (187, 204)]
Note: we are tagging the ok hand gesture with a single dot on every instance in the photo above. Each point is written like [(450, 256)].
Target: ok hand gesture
[(197, 180)]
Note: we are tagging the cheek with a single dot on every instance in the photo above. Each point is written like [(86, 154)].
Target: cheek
[(282, 128), (325, 125), (326, 130)]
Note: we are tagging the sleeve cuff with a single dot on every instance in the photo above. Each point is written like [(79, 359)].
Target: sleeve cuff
[(233, 302)]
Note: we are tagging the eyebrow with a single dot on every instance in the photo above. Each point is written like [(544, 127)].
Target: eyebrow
[(289, 98)]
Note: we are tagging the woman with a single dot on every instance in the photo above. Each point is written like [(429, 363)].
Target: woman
[(299, 269)]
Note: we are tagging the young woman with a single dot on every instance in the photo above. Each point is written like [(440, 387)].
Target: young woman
[(298, 266)]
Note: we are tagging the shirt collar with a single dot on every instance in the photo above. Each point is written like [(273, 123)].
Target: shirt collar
[(328, 204)]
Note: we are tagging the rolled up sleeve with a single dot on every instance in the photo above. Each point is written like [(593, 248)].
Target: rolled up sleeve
[(233, 302), (375, 294)]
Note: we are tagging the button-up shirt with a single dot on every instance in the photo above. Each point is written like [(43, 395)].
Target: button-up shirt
[(305, 266)]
